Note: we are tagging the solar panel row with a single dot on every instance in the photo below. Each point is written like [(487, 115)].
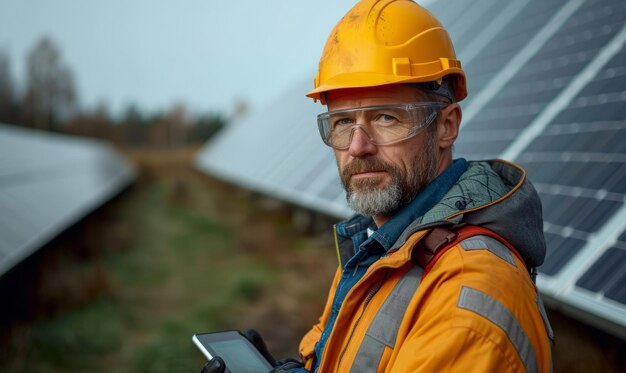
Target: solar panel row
[(47, 183)]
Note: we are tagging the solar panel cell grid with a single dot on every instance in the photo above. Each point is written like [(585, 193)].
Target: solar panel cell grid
[(591, 176), (616, 143), (607, 276), (593, 214), (587, 138), (567, 208), (584, 214), (562, 250), (580, 111), (593, 19), (554, 66), (618, 291), (451, 13), (606, 141), (543, 172), (475, 19), (617, 181), (513, 118), (558, 208), (609, 80), (512, 38)]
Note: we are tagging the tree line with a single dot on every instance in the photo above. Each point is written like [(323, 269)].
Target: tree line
[(49, 101)]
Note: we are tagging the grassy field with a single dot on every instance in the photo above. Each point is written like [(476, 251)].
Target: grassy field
[(178, 253)]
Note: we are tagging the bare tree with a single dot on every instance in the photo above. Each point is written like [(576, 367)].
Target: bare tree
[(50, 95)]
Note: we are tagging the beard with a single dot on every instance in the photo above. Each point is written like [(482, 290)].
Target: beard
[(372, 197)]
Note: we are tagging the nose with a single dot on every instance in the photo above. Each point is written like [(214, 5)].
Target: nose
[(360, 144)]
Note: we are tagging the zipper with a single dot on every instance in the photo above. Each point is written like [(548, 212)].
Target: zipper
[(369, 297), (356, 268)]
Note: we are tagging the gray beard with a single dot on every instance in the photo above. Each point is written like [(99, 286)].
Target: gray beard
[(373, 201)]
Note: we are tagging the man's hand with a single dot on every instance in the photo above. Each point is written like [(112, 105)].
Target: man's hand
[(282, 366), (215, 365), (255, 338), (288, 366)]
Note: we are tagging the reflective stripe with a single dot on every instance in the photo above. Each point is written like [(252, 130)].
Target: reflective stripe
[(488, 243), (384, 328), (488, 307)]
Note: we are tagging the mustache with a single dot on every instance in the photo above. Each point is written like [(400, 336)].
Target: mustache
[(359, 165)]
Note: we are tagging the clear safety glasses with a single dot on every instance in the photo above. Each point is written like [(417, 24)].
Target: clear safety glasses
[(384, 125)]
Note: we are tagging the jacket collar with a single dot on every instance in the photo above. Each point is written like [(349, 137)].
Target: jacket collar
[(496, 195)]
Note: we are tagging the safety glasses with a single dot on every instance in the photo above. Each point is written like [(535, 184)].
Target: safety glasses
[(384, 125)]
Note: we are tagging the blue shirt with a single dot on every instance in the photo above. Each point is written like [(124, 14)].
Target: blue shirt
[(370, 249)]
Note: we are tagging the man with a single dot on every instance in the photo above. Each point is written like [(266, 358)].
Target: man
[(435, 268)]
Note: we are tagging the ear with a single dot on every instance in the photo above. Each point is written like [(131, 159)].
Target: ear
[(448, 126)]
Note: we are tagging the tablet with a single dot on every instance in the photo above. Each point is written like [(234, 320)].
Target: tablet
[(235, 349)]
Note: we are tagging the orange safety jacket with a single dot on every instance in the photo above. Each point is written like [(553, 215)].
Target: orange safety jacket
[(472, 307)]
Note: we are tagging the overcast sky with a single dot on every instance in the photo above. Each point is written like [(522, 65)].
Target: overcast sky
[(206, 54)]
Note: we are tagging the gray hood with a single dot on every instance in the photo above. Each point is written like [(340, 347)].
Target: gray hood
[(495, 195)]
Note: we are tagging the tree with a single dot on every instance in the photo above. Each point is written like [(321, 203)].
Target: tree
[(50, 95), (206, 126), (8, 104), (135, 125)]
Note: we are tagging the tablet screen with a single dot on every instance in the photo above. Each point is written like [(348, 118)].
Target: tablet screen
[(237, 352), (238, 356)]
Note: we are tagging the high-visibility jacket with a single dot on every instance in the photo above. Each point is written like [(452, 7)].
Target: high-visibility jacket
[(474, 308)]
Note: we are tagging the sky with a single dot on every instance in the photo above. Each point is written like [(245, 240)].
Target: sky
[(205, 54)]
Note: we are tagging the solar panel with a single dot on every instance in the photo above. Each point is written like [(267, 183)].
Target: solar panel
[(47, 183), (547, 89), (601, 278)]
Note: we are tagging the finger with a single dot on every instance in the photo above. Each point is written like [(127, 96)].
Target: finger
[(253, 336), (215, 365)]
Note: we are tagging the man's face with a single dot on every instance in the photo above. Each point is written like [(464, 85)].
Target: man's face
[(379, 180)]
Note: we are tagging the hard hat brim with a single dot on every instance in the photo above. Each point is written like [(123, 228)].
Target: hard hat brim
[(364, 80)]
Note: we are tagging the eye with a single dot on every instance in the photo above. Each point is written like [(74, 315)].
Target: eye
[(385, 120), (339, 122)]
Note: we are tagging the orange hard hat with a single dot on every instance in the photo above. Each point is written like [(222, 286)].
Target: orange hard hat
[(381, 42)]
